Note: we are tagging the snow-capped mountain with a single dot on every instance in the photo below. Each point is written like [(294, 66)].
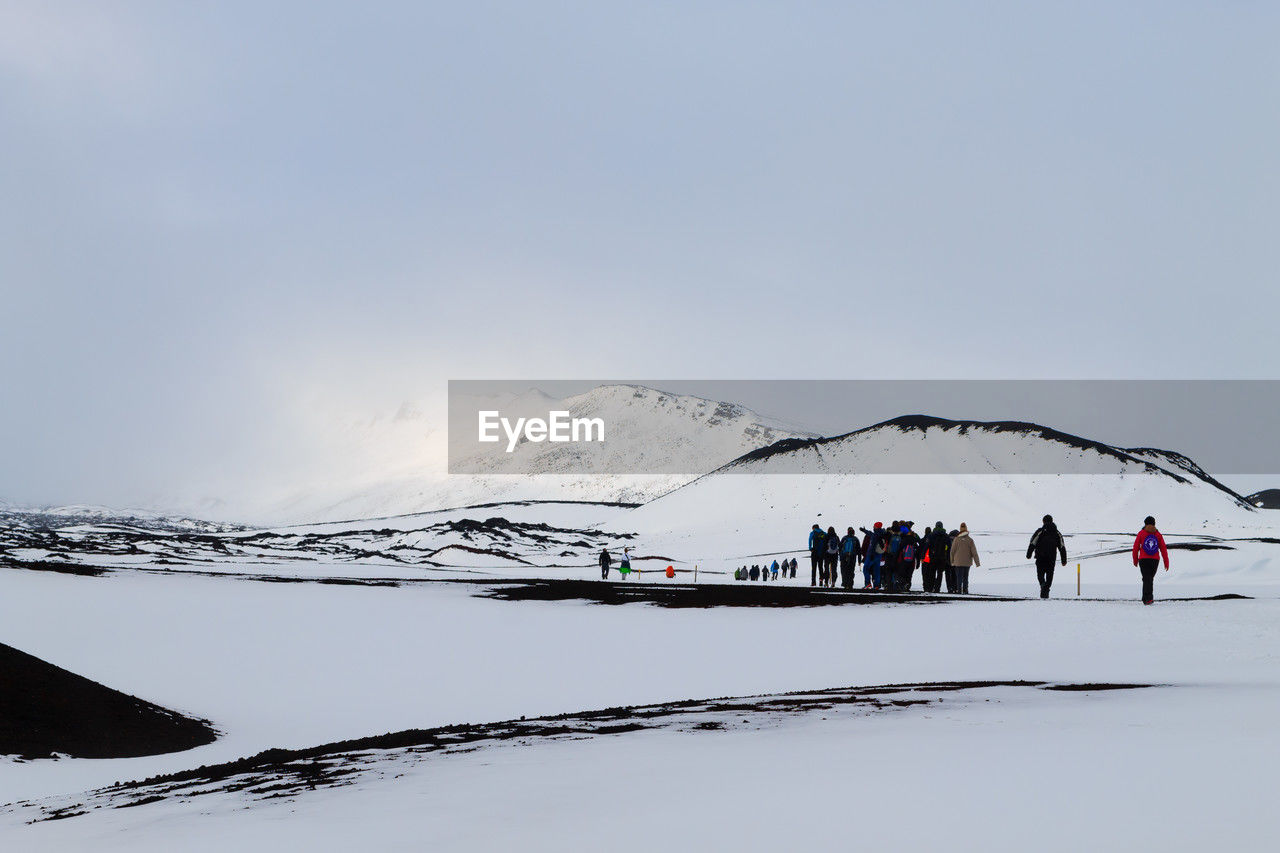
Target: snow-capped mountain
[(682, 436), (928, 469)]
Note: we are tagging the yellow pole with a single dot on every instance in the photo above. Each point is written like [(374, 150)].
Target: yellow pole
[(1077, 578)]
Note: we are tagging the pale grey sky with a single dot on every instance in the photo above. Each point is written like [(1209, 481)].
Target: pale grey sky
[(221, 223)]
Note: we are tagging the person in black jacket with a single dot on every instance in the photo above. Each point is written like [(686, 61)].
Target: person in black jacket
[(937, 547), (605, 562), (831, 557), (1046, 544)]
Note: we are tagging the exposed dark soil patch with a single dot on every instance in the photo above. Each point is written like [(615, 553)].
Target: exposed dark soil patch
[(709, 595), (45, 709), (1083, 687), (286, 772), (50, 566)]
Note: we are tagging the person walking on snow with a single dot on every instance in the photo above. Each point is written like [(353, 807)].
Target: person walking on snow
[(605, 562), (937, 548), (773, 570), (963, 554), (1046, 543), (624, 565), (816, 547), (849, 550), (877, 546), (831, 557), (1148, 548)]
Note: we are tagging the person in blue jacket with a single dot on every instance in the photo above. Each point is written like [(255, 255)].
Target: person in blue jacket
[(850, 549), (817, 544)]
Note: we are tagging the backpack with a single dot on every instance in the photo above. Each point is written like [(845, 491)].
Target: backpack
[(909, 551), (1151, 545), (881, 545)]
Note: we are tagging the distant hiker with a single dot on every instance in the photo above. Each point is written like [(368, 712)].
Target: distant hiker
[(830, 558), (793, 568), (850, 549), (876, 549), (624, 565), (937, 558), (817, 545), (773, 570), (605, 562), (755, 573), (964, 553), (1148, 548), (1046, 544)]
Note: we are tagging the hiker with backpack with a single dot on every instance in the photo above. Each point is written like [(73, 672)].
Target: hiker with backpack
[(850, 549), (875, 549), (624, 566), (773, 570), (793, 568), (908, 554), (605, 562), (963, 554), (937, 558), (831, 556), (1148, 548), (1046, 544), (817, 545)]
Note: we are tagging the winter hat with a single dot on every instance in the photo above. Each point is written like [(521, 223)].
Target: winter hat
[(1048, 519), (1150, 520), (877, 526), (964, 528)]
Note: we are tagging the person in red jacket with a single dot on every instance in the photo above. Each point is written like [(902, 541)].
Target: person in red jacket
[(1148, 548)]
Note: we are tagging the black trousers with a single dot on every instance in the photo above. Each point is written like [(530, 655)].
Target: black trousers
[(930, 574), (829, 569), (604, 572), (950, 572), (848, 568), (815, 559), (1045, 575), (1148, 567)]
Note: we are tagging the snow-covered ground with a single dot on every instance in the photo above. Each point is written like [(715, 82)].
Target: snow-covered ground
[(294, 665)]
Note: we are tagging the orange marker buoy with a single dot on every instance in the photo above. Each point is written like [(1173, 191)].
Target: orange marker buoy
[(671, 571)]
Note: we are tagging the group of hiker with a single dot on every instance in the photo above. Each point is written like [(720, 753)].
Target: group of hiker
[(889, 557), (762, 573)]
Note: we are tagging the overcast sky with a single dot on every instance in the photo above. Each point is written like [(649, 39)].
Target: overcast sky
[(226, 227)]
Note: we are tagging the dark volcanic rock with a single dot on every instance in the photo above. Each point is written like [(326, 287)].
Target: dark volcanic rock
[(1265, 499), (45, 710)]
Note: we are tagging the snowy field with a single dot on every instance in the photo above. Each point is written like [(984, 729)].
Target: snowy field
[(295, 665)]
